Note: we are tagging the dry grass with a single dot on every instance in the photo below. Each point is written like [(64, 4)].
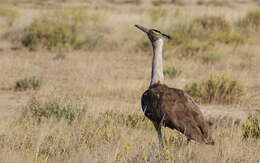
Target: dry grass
[(107, 76)]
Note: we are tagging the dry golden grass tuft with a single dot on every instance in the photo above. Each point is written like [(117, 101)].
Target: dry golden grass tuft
[(217, 89), (88, 109)]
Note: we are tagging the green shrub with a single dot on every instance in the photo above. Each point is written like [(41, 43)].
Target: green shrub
[(28, 83), (211, 58), (49, 34), (201, 34), (218, 89), (251, 127), (251, 20), (57, 108), (172, 72), (52, 32)]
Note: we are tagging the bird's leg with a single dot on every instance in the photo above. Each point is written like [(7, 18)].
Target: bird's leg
[(159, 133)]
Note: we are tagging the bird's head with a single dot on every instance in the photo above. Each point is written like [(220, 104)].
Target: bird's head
[(153, 34)]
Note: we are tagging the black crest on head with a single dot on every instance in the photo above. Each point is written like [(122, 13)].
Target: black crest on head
[(164, 35)]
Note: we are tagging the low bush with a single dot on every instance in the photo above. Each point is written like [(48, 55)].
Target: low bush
[(33, 83), (216, 89), (251, 127), (57, 108), (197, 37), (48, 33), (52, 32)]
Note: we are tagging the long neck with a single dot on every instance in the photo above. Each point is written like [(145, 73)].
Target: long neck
[(157, 65)]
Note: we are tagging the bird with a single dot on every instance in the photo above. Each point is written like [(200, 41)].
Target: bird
[(171, 107)]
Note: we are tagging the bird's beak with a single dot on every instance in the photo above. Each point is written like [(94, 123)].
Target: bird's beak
[(142, 28)]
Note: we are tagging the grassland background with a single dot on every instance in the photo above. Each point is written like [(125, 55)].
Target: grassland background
[(102, 73)]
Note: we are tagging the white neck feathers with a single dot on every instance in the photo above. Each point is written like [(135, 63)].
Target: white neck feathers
[(157, 65)]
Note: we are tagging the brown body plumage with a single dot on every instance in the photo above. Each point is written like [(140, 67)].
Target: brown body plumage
[(171, 107)]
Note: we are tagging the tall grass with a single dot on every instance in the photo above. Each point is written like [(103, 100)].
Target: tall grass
[(107, 69), (251, 21), (116, 136)]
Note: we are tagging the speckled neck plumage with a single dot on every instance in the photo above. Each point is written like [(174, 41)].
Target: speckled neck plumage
[(157, 63)]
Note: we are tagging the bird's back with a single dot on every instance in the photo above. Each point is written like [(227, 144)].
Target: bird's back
[(175, 109)]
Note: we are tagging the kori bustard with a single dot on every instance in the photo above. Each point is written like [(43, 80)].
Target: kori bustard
[(170, 107)]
